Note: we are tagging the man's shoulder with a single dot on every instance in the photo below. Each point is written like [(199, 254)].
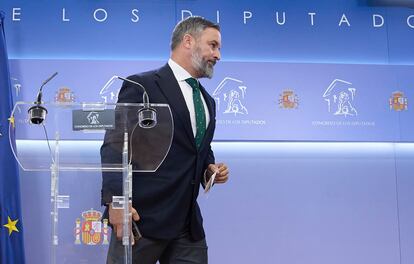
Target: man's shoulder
[(150, 74), (142, 75)]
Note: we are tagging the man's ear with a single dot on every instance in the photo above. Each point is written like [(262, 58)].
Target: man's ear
[(187, 41)]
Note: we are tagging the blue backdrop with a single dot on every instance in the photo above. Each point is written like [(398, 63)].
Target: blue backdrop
[(285, 64)]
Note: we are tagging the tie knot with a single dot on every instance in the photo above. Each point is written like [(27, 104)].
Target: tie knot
[(192, 82)]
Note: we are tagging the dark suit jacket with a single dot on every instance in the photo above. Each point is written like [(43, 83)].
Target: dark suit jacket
[(166, 199)]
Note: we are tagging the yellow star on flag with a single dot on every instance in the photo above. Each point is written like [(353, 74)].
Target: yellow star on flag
[(11, 225), (11, 120)]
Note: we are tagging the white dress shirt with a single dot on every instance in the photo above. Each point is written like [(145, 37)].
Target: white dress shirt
[(181, 74)]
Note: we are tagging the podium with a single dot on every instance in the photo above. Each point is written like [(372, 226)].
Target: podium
[(68, 142)]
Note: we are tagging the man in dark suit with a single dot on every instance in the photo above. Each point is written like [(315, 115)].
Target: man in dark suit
[(165, 202)]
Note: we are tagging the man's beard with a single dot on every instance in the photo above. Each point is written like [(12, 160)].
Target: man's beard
[(202, 66)]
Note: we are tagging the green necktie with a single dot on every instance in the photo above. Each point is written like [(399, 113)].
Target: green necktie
[(199, 111)]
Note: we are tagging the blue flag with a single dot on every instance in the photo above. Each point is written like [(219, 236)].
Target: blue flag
[(11, 231)]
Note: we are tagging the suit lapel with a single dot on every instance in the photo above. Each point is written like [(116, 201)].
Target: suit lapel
[(209, 106), (172, 92), (211, 111)]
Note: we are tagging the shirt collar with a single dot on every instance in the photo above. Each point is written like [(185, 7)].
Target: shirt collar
[(179, 72)]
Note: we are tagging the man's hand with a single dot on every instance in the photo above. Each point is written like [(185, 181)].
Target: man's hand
[(222, 172), (116, 219)]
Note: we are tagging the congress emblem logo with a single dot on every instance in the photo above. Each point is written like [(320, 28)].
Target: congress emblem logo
[(64, 95), (340, 96), (230, 96), (93, 118), (398, 102), (91, 229), (288, 100)]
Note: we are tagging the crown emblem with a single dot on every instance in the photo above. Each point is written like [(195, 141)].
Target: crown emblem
[(91, 215), (398, 102), (64, 95), (91, 229), (288, 100)]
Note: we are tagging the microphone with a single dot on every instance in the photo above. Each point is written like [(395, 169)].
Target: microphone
[(37, 113), (147, 116)]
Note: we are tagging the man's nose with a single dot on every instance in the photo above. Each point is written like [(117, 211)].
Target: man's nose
[(217, 54)]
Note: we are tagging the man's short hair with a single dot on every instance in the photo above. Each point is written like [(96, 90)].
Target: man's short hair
[(193, 25)]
